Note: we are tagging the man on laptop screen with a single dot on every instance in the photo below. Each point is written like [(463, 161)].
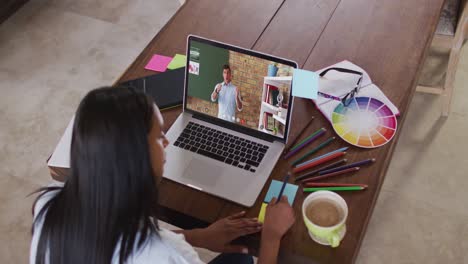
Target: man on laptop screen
[(228, 96), (250, 94)]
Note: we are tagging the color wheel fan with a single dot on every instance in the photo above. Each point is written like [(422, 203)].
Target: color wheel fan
[(366, 122)]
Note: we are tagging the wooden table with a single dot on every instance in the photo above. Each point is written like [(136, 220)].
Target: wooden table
[(388, 38)]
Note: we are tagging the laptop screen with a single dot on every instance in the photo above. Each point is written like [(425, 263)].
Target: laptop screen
[(239, 86)]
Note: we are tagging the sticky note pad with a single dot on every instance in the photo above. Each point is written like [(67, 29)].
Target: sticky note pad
[(305, 84), (261, 215), (275, 187), (158, 63), (178, 61)]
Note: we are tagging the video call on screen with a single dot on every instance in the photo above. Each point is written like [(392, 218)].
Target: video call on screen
[(238, 88)]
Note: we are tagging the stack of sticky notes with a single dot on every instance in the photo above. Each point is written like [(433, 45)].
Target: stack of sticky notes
[(275, 187), (160, 63)]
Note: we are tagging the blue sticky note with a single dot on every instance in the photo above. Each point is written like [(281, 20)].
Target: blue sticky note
[(275, 187), (305, 84)]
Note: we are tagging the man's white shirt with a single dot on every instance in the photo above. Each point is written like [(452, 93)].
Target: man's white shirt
[(227, 101)]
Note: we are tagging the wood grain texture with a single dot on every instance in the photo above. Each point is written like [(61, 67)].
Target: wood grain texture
[(296, 28), (236, 22), (388, 38)]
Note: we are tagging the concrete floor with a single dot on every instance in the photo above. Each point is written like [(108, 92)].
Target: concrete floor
[(53, 51)]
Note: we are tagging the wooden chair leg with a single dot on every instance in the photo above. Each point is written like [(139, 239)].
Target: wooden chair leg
[(449, 80), (453, 61)]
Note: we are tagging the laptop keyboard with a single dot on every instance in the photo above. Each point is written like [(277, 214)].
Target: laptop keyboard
[(218, 145)]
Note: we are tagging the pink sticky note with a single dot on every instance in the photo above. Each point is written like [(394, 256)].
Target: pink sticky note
[(158, 63)]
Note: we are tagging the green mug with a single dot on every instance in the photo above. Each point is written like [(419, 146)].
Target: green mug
[(330, 235)]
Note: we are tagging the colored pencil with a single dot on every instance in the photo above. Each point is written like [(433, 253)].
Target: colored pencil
[(311, 139), (322, 156), (304, 140), (292, 145), (350, 188), (355, 164), (336, 173), (318, 162), (285, 181), (312, 173), (323, 184), (319, 147)]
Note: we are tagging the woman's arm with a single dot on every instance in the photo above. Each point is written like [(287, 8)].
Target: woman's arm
[(218, 236), (279, 217), (192, 236), (269, 248)]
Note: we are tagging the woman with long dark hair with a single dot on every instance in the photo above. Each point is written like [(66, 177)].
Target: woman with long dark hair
[(106, 211)]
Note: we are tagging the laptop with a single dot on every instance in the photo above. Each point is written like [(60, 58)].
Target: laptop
[(235, 120)]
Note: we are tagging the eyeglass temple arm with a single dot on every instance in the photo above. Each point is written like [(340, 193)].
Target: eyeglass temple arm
[(340, 70), (359, 81)]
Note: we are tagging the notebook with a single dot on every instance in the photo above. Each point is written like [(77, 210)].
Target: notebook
[(166, 88), (339, 84)]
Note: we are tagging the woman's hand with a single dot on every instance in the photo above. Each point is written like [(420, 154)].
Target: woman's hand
[(279, 217), (218, 236)]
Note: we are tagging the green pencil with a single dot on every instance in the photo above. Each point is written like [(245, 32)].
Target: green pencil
[(319, 147), (350, 188), (305, 139)]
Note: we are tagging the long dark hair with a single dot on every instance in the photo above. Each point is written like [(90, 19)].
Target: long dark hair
[(111, 193)]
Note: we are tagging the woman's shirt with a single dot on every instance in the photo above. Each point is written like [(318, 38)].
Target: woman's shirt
[(168, 247)]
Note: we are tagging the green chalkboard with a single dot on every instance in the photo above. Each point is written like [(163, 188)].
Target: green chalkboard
[(210, 61)]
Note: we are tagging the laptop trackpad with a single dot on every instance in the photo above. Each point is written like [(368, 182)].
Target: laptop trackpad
[(202, 173)]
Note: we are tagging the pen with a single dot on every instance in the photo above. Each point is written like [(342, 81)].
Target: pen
[(285, 181)]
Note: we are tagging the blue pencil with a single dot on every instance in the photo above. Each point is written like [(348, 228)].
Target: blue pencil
[(285, 181), (322, 156)]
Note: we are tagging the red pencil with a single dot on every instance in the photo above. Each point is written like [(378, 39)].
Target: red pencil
[(332, 174), (318, 162), (326, 184)]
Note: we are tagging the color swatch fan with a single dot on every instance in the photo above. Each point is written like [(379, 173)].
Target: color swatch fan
[(366, 122)]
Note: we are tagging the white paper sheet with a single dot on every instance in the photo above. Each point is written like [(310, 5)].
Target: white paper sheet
[(61, 156), (339, 84)]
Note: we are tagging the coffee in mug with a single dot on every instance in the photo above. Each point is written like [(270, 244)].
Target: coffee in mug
[(324, 215), (324, 212)]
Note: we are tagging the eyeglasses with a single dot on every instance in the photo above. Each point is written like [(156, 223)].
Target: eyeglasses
[(348, 98)]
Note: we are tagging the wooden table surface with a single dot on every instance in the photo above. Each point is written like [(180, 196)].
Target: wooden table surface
[(388, 38)]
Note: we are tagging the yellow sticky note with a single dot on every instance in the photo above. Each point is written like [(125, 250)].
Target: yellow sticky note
[(261, 215), (177, 62)]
